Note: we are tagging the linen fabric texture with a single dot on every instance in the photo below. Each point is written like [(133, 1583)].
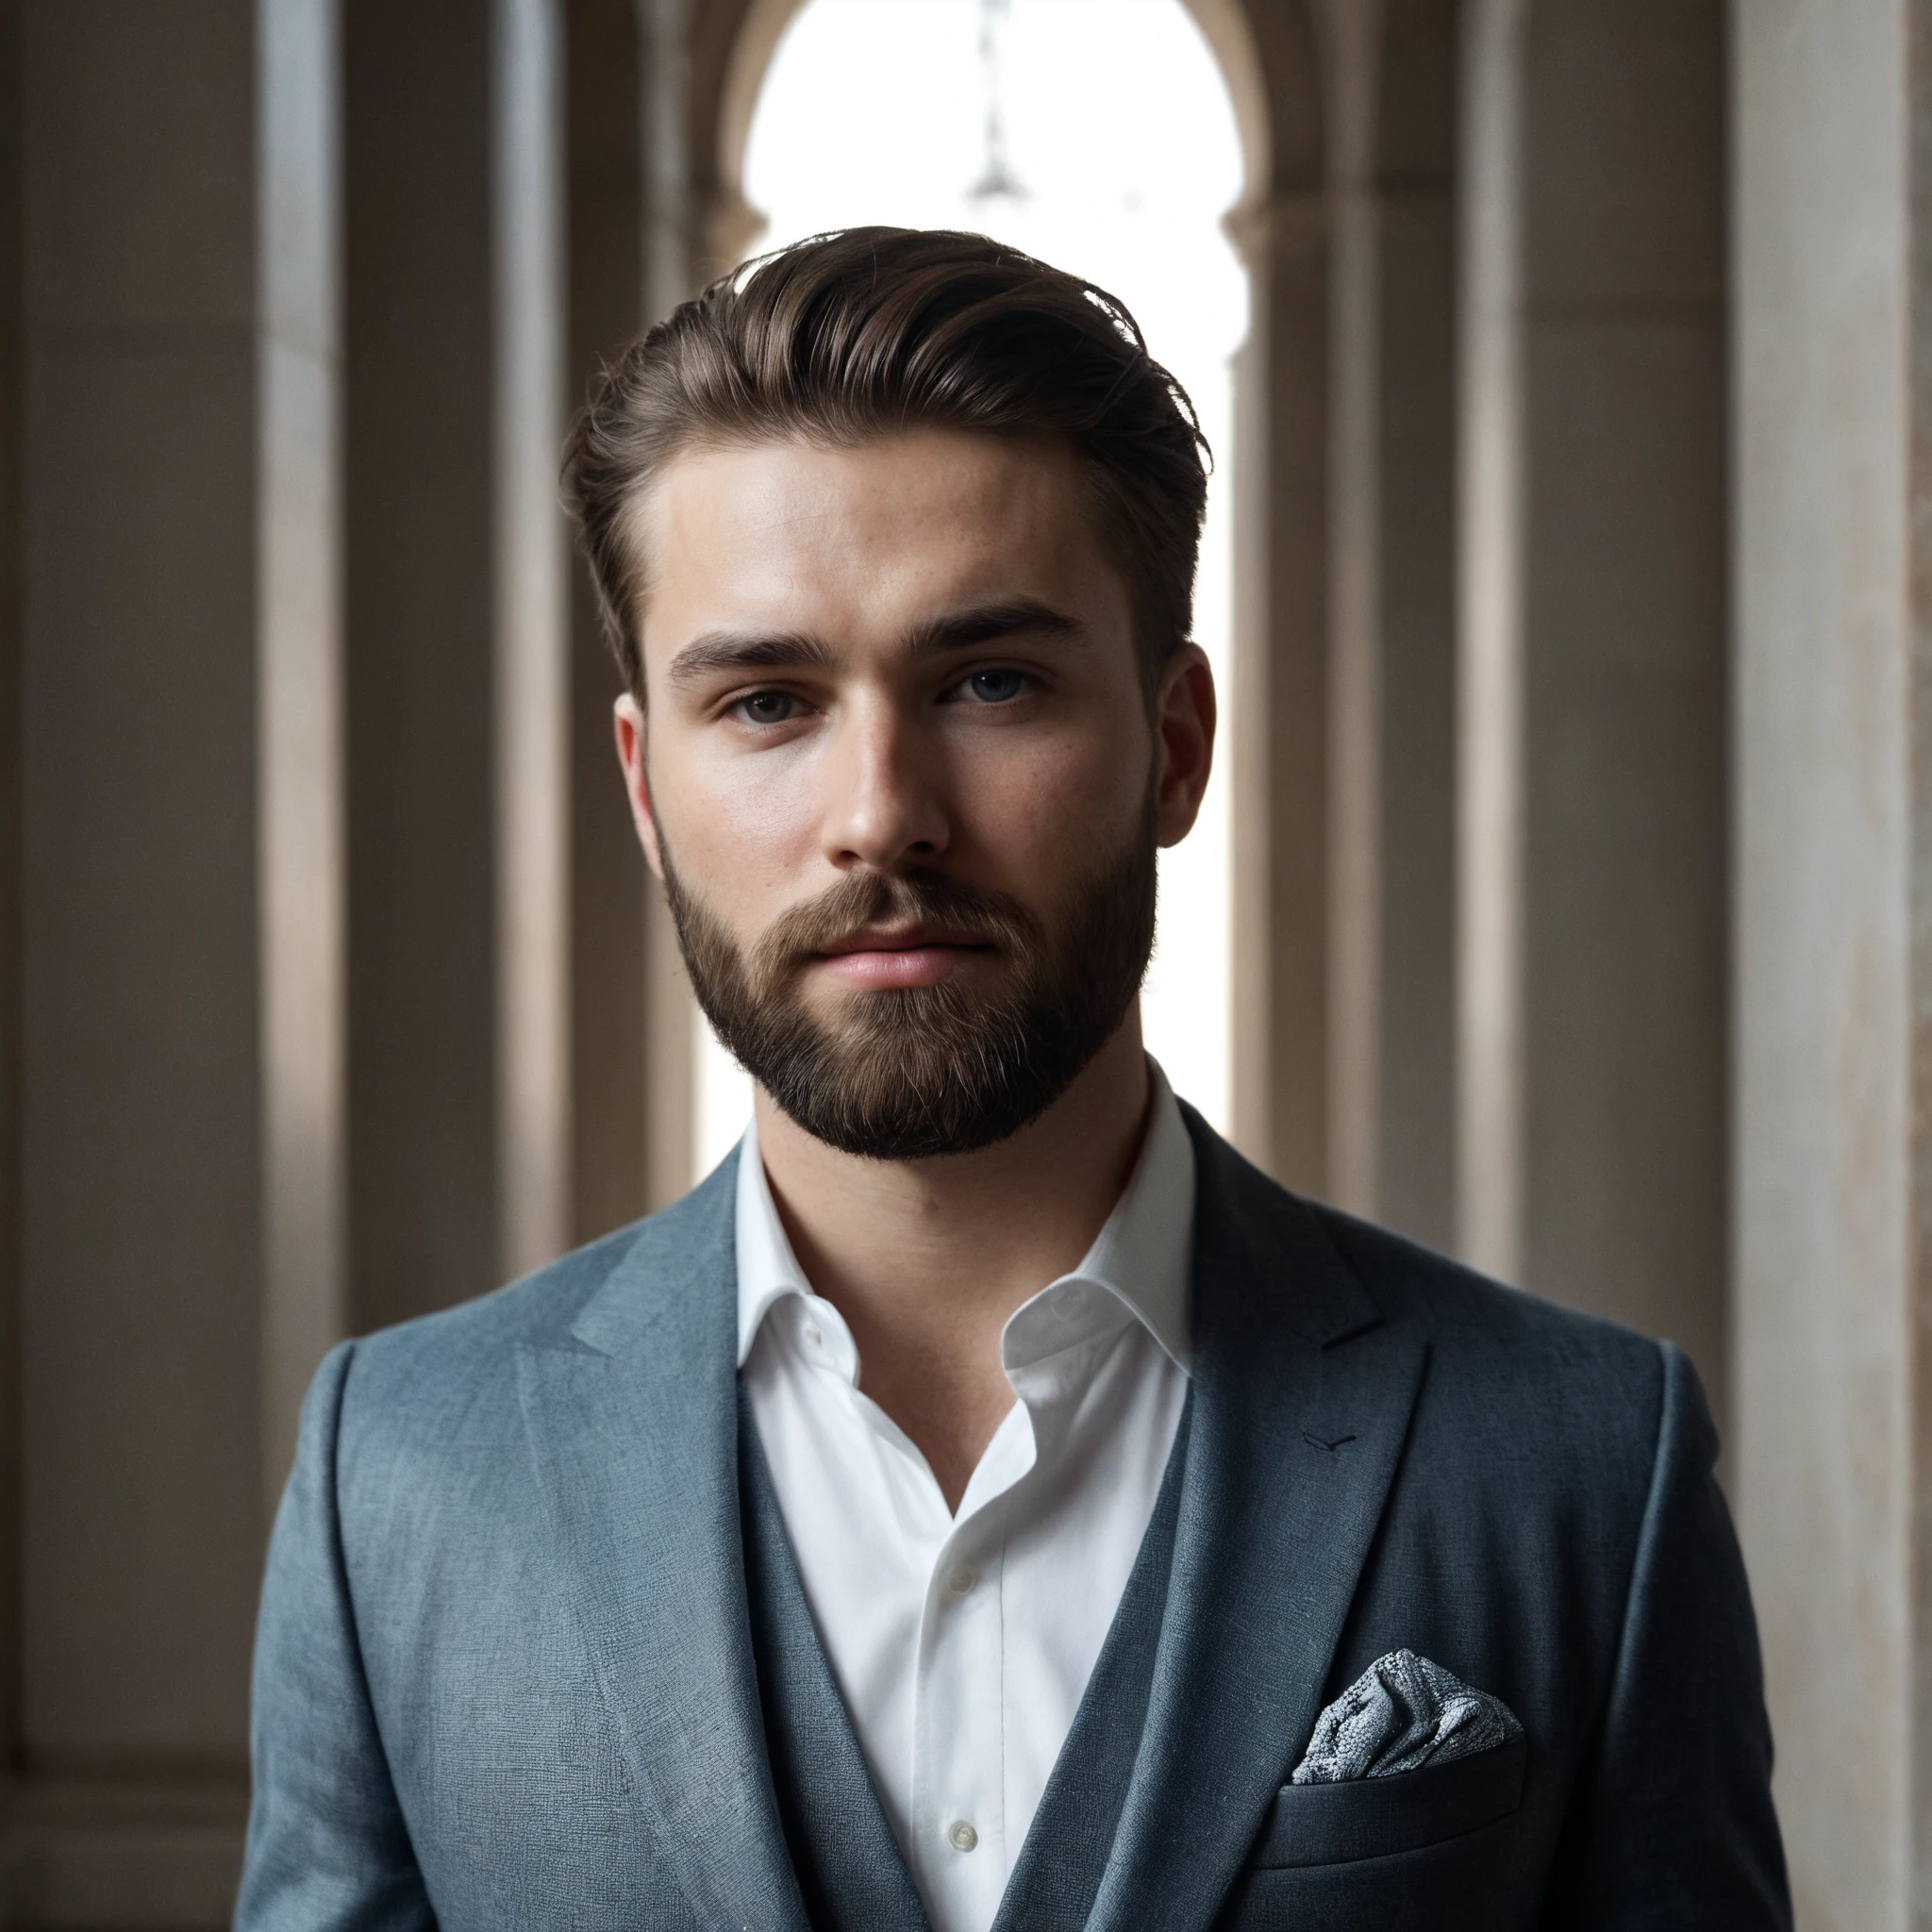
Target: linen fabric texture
[(505, 1674)]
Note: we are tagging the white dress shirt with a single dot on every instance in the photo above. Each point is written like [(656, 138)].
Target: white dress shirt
[(963, 1645)]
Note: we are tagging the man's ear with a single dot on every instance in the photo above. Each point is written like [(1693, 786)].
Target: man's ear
[(1184, 717), (629, 717)]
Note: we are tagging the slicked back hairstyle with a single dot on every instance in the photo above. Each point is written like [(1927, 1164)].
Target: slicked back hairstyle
[(859, 334)]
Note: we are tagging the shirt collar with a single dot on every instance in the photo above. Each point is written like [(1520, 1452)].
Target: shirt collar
[(768, 1271), (1141, 1255)]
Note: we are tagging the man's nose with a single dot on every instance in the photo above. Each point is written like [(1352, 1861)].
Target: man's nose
[(883, 807)]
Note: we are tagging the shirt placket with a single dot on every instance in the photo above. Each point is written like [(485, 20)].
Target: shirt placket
[(958, 1754)]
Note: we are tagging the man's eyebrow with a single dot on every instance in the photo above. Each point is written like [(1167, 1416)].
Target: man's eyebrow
[(731, 650), (985, 622)]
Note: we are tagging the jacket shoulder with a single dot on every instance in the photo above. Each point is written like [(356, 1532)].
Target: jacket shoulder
[(444, 1358), (1525, 1375), (540, 1305), (1407, 1280), (1352, 1274)]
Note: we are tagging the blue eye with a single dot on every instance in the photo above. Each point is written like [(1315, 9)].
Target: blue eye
[(767, 708), (997, 686)]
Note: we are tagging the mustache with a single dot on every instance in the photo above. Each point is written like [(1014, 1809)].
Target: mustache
[(935, 1069), (864, 900)]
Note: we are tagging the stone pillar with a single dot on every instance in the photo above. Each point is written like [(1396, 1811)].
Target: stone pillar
[(529, 645), (1593, 748), (454, 602), (1342, 727), (672, 269), (1490, 507), (1278, 729), (609, 1066), (1392, 129), (171, 1045), (1416, 135), (1352, 47), (1833, 918), (1625, 816), (12, 802), (299, 723)]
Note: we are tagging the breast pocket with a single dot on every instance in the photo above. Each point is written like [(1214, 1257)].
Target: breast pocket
[(1375, 1817), (1423, 1851)]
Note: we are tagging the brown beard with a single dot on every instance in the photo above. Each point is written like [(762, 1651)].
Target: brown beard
[(912, 1072)]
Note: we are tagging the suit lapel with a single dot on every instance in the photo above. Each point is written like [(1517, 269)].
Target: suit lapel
[(632, 1417), (1301, 1397)]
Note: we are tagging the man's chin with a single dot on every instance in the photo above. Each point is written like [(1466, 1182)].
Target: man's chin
[(912, 1074)]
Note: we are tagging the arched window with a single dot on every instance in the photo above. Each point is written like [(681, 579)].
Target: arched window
[(1098, 135)]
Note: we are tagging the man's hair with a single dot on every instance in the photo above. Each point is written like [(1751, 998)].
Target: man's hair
[(851, 336)]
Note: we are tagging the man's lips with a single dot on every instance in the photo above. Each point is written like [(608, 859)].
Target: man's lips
[(875, 963)]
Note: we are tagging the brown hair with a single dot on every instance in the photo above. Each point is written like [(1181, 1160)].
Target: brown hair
[(858, 334)]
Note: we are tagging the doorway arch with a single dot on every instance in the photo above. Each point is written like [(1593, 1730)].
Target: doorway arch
[(732, 223)]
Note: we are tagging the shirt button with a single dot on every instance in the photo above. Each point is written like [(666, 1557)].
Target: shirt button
[(960, 1580), (814, 1335), (961, 1836)]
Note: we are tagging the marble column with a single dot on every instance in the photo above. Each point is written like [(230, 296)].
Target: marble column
[(173, 910), (1343, 731), (1594, 746), (1391, 71), (678, 85), (1352, 47), (1278, 729), (456, 672), (609, 1062), (1417, 134), (1832, 1163)]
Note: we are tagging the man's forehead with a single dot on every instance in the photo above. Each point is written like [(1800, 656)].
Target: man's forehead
[(791, 484), (929, 516)]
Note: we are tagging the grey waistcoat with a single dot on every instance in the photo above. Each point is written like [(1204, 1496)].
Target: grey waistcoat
[(849, 1867)]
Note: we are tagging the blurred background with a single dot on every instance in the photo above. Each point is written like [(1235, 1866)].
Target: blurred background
[(1564, 897)]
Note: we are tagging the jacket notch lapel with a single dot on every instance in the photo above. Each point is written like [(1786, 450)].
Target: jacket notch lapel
[(632, 1418), (1302, 1399)]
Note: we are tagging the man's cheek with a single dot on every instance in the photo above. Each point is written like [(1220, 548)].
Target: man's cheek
[(757, 823), (1050, 830)]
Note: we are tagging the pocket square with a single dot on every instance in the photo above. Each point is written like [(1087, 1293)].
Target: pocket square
[(1402, 1712)]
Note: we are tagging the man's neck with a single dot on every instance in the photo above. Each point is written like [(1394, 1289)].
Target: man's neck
[(926, 1260)]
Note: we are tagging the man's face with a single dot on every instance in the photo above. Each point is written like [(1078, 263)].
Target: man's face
[(899, 775)]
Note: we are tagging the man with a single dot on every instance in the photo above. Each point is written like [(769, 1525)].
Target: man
[(986, 1500)]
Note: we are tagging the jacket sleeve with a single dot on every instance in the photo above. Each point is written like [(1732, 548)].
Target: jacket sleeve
[(327, 1847), (1672, 1825)]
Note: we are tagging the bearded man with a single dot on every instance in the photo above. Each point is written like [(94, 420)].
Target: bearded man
[(986, 1500)]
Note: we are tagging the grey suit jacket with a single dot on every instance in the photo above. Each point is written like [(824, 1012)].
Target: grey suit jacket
[(503, 1673)]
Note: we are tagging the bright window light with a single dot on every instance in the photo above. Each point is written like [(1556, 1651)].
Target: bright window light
[(1099, 136)]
